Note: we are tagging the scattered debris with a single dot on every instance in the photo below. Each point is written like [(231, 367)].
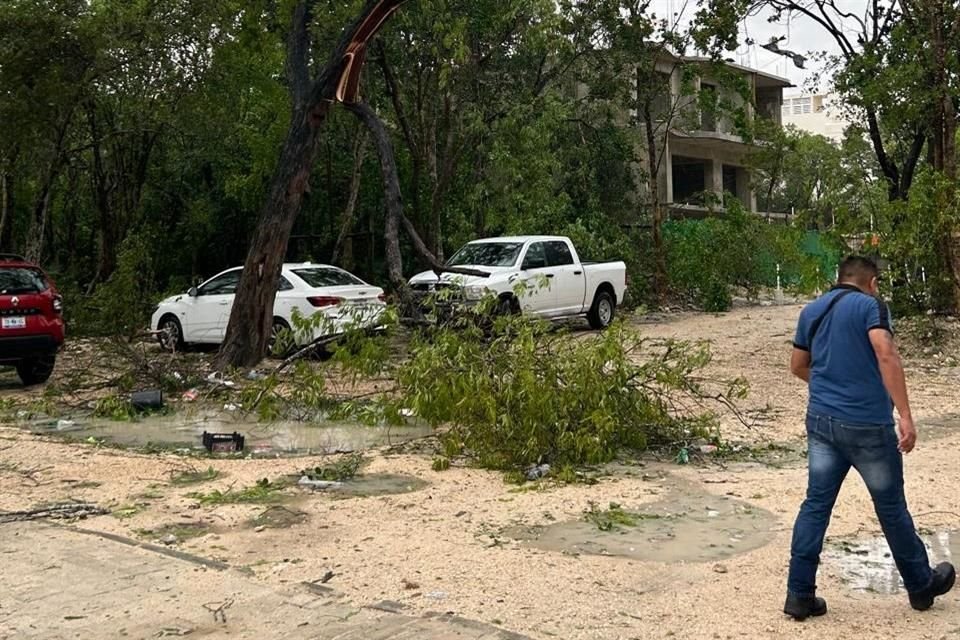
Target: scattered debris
[(327, 577), (219, 380), (147, 400), (222, 442), (437, 595), (65, 511), (537, 471), (169, 539), (190, 396), (193, 476), (409, 585), (341, 470), (219, 610)]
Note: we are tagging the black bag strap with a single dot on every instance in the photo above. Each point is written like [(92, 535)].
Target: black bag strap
[(816, 323)]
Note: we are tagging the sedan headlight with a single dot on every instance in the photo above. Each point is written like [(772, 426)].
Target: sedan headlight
[(474, 292)]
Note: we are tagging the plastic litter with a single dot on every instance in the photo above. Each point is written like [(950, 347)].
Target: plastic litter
[(191, 395), (538, 471), (217, 379)]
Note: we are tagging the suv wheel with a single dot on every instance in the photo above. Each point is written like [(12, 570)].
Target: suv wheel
[(170, 334), (36, 370)]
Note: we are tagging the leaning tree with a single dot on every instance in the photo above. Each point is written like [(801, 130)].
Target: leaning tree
[(251, 319)]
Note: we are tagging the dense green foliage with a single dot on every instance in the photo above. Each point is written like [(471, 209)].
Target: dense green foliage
[(524, 393), (142, 136)]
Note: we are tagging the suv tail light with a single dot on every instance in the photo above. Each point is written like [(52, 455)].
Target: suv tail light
[(324, 301), (58, 304)]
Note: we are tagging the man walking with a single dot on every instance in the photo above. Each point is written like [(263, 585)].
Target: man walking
[(844, 350)]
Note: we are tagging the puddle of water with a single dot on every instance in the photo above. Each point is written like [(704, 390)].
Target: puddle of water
[(867, 565), (270, 439), (375, 484), (686, 526)]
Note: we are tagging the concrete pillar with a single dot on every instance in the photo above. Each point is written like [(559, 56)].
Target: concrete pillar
[(715, 181), (666, 167)]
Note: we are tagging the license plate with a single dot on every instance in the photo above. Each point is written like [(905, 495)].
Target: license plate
[(13, 323)]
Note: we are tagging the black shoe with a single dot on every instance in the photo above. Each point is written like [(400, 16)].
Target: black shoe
[(802, 608), (944, 576)]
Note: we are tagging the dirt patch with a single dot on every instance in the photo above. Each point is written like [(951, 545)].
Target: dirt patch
[(175, 532), (687, 525), (372, 484), (278, 517)]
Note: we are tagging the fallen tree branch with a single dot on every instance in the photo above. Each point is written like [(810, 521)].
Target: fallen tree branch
[(308, 350), (55, 512)]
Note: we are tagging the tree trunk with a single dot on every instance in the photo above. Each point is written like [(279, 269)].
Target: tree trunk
[(944, 145), (6, 209), (393, 201), (653, 185), (38, 224), (394, 205), (251, 318), (343, 249)]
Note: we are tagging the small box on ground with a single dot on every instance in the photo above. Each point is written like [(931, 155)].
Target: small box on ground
[(222, 442)]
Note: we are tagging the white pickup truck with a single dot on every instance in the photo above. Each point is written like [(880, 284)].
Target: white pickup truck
[(556, 284)]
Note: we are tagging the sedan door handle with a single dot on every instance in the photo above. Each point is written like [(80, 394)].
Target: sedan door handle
[(578, 273), (549, 275)]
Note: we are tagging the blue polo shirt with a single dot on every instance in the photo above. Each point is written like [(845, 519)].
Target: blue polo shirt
[(845, 381)]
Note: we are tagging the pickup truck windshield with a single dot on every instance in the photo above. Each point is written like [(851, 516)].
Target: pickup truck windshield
[(487, 254), (21, 280)]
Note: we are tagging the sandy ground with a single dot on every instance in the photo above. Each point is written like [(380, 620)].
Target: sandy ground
[(441, 548)]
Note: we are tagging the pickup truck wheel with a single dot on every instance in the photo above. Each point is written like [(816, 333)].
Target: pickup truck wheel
[(170, 334), (36, 370), (507, 307), (603, 309)]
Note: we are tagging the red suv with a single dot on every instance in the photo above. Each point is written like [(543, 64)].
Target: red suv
[(31, 319)]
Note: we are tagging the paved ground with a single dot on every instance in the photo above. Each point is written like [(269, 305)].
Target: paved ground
[(83, 585)]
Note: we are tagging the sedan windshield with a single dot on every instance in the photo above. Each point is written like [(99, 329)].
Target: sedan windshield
[(487, 254), (325, 277), (21, 280)]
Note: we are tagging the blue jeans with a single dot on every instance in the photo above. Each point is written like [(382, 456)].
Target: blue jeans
[(833, 447)]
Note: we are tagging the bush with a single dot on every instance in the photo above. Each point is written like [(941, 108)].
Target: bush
[(525, 393), (121, 306), (707, 257)]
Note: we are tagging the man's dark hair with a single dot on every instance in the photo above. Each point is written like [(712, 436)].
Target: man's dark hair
[(858, 269)]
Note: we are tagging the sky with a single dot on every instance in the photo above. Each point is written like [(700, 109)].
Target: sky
[(803, 36)]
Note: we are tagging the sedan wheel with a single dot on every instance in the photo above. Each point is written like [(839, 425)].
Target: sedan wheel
[(170, 334)]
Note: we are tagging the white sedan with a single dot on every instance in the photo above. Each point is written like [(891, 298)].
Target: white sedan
[(200, 316)]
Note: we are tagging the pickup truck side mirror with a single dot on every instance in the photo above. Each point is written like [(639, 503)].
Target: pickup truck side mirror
[(193, 293)]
